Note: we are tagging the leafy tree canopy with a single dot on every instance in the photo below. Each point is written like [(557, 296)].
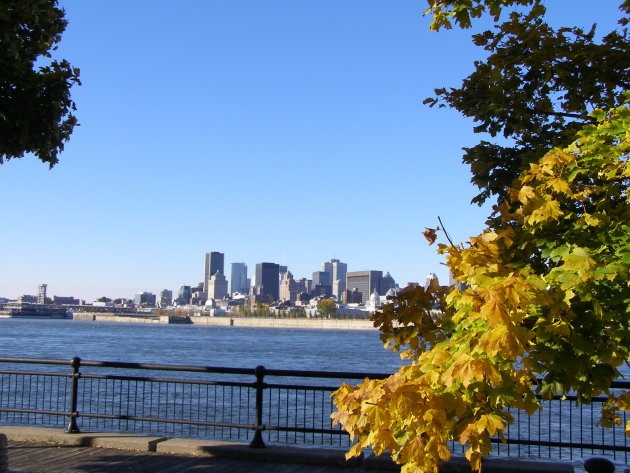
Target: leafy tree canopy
[(536, 88), (326, 308), (547, 295), (35, 105)]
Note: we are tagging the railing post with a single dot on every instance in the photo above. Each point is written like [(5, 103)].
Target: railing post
[(74, 389), (257, 441)]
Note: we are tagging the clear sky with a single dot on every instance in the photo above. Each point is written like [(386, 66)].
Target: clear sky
[(283, 131)]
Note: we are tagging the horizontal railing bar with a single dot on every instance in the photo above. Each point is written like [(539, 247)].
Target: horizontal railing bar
[(36, 361), (159, 367), (38, 373), (200, 369), (325, 374), (305, 430), (167, 380), (551, 443), (34, 411)]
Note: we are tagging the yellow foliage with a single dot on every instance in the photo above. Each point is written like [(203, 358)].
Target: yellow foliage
[(545, 295)]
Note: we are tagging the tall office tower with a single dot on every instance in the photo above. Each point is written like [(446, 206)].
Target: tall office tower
[(268, 281), (41, 293), (238, 278), (365, 282), (217, 286), (185, 293), (338, 271), (214, 263), (166, 298)]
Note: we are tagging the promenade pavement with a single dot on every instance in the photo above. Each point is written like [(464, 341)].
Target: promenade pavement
[(41, 450)]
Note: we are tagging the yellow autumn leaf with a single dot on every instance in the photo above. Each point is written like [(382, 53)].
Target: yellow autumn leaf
[(493, 311), (549, 210), (559, 185), (490, 423), (525, 194)]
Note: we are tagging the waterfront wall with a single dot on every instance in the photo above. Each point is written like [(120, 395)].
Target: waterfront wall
[(328, 324), (111, 317)]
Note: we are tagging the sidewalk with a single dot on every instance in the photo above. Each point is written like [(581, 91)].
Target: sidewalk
[(40, 450)]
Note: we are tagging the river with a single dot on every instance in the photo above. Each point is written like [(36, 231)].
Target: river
[(238, 347)]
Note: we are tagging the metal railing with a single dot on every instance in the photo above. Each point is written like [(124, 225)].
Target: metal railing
[(242, 404)]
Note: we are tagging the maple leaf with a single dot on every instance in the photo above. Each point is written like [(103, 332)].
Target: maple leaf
[(430, 234)]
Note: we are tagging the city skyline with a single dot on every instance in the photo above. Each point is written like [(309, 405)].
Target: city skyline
[(287, 132), (333, 272)]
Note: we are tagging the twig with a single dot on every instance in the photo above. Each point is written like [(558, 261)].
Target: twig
[(445, 232)]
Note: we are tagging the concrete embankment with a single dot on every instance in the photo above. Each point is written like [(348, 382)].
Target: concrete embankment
[(327, 324)]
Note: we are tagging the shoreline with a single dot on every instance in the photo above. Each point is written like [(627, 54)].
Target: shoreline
[(267, 322)]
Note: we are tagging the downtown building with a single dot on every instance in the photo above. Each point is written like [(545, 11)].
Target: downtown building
[(267, 287), (362, 283), (238, 279), (214, 263)]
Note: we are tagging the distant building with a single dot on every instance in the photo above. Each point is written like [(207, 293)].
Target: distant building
[(145, 299), (166, 298), (374, 302), (322, 278), (238, 279), (58, 300), (364, 282), (337, 271), (185, 293), (41, 293), (282, 270), (352, 296), (267, 281), (387, 283), (289, 288), (27, 298), (214, 263), (305, 285), (217, 286)]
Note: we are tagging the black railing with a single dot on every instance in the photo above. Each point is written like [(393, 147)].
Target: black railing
[(242, 405)]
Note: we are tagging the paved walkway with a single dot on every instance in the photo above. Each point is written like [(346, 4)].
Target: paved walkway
[(33, 458), (40, 450)]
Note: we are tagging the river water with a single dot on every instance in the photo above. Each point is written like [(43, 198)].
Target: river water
[(236, 347)]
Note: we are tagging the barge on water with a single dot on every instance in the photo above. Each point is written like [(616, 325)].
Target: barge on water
[(29, 310)]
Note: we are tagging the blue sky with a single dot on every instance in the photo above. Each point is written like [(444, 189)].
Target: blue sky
[(281, 131)]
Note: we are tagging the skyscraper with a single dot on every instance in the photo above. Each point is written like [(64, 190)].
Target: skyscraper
[(214, 263), (365, 282), (268, 281), (166, 298), (185, 293), (238, 278), (337, 271)]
